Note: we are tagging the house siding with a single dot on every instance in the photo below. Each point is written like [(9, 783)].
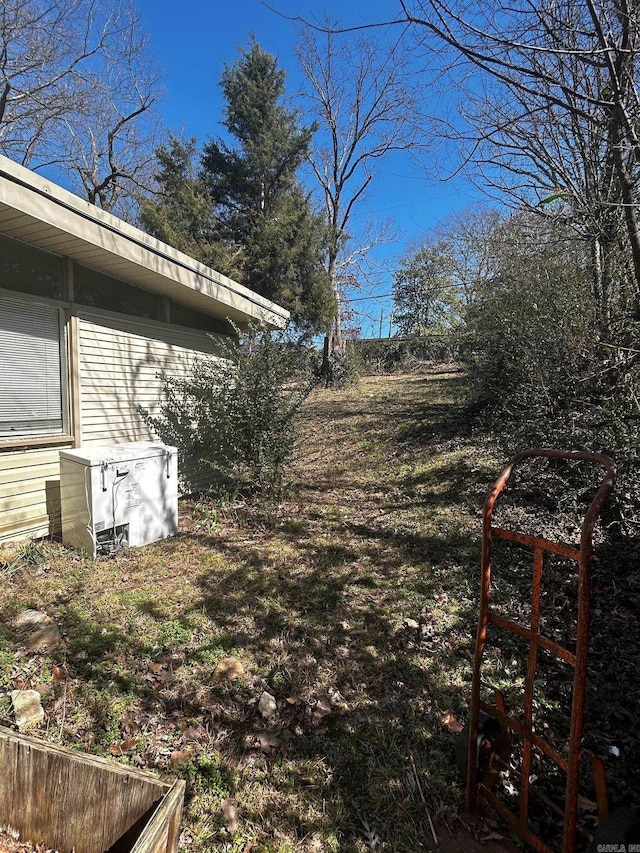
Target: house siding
[(111, 352), (29, 492), (121, 363), (120, 360)]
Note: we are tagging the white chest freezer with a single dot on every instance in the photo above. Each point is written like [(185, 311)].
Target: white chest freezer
[(118, 495)]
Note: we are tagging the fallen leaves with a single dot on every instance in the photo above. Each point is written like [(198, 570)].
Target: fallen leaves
[(491, 835), (449, 721), (59, 673), (126, 745), (369, 835), (334, 595), (181, 756), (586, 805), (228, 669), (321, 709), (10, 843)]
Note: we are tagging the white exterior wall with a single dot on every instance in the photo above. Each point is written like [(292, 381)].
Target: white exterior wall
[(29, 492), (119, 356), (120, 362), (120, 359)]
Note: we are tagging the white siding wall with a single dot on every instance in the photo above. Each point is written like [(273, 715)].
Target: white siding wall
[(120, 359), (29, 492)]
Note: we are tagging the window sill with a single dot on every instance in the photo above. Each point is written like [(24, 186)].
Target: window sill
[(30, 441)]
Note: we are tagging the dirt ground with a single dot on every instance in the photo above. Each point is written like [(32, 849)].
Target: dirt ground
[(306, 667)]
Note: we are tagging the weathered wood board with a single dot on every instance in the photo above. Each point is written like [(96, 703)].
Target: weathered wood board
[(67, 800)]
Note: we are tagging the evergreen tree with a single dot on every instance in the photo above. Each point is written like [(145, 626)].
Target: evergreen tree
[(181, 213), (259, 202)]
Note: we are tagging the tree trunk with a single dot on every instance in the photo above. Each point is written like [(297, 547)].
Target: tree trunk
[(627, 187), (336, 344), (333, 342), (599, 286)]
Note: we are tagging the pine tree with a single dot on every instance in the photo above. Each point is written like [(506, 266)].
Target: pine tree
[(181, 212), (259, 202)]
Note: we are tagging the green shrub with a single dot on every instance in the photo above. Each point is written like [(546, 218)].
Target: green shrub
[(233, 416), (344, 367), (537, 370), (407, 354), (210, 774)]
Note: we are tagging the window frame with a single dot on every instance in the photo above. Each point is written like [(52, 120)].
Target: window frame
[(45, 439)]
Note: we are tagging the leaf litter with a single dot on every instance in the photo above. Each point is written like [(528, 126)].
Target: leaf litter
[(352, 604)]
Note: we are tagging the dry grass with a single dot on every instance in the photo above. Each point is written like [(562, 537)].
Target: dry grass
[(380, 525)]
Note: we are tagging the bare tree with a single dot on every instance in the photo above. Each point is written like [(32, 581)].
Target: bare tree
[(554, 111), (113, 154), (43, 52), (472, 237), (76, 88), (560, 165), (361, 97)]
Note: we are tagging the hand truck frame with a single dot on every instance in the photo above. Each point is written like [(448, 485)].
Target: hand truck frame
[(583, 556)]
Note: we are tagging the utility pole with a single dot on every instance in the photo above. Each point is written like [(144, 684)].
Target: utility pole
[(381, 319)]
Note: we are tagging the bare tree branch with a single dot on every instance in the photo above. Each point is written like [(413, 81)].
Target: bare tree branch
[(361, 97), (76, 91)]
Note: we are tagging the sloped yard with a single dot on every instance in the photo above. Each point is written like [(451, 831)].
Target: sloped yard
[(302, 668)]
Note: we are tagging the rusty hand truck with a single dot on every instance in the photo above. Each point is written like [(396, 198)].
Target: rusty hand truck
[(478, 787)]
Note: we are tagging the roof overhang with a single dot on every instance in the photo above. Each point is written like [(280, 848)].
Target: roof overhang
[(43, 214)]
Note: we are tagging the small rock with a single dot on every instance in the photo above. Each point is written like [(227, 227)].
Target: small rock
[(268, 741), (32, 619), (267, 705), (27, 708), (230, 814), (228, 669), (411, 624)]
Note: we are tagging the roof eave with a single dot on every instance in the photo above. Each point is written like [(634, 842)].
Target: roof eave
[(45, 215)]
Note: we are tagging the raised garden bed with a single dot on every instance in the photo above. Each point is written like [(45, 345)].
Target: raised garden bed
[(67, 800)]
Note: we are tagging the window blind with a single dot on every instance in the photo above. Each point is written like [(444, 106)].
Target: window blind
[(30, 368)]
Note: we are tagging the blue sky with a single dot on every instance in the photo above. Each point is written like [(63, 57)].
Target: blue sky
[(193, 40)]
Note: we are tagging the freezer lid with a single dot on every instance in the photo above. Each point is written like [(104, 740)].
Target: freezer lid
[(114, 453)]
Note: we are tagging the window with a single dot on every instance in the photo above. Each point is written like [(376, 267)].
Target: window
[(100, 291), (183, 316), (30, 270), (31, 364)]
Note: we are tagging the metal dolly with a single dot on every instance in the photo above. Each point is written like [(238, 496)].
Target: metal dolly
[(582, 555)]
